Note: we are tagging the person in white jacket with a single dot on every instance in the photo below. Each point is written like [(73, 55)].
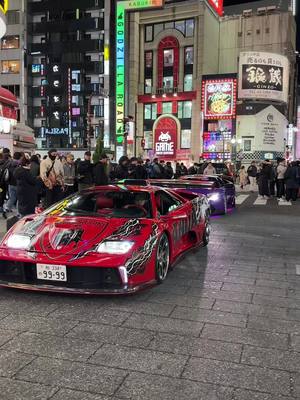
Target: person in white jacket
[(210, 169), (281, 168), (52, 175)]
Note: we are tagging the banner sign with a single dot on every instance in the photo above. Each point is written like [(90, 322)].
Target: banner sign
[(122, 7), (165, 137), (219, 98), (263, 76)]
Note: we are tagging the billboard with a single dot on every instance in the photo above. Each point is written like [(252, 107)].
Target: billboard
[(217, 5), (4, 6), (263, 76), (219, 98), (165, 137)]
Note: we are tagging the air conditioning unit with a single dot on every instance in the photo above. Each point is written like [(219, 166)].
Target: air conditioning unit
[(271, 8), (261, 10), (247, 13)]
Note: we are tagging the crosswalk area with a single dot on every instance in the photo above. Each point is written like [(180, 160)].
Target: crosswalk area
[(258, 201)]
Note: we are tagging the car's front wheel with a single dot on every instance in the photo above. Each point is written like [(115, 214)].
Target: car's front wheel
[(206, 234), (162, 258)]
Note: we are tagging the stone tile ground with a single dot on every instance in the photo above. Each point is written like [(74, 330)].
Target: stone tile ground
[(224, 326)]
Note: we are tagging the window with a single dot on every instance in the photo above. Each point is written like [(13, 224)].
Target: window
[(184, 109), (168, 82), (247, 144), (188, 83), (180, 26), (169, 25), (148, 136), (158, 28), (10, 42), (189, 27), (168, 58), (148, 86), (167, 108), (189, 55), (185, 139), (148, 59), (13, 17), (10, 67), (166, 203), (150, 111), (149, 33), (15, 89)]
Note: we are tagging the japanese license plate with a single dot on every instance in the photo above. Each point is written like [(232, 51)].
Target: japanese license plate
[(51, 272)]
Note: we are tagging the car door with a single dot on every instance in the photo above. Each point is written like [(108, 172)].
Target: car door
[(177, 215)]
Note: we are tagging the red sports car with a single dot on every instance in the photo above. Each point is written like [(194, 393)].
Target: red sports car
[(107, 240)]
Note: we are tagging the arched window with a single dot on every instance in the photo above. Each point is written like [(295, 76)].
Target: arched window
[(168, 64)]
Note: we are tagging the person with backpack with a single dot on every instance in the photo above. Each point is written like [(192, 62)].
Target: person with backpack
[(252, 175), (12, 183), (4, 178), (52, 174)]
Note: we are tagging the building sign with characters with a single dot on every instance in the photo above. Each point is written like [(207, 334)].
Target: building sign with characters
[(165, 137), (263, 76), (219, 98)]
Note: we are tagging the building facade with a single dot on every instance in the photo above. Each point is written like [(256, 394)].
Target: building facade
[(68, 72), (183, 59)]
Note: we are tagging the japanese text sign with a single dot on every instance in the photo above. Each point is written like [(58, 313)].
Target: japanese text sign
[(219, 98)]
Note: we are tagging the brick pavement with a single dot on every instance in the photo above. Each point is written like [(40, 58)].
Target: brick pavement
[(224, 326)]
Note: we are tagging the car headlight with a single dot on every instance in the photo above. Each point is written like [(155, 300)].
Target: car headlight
[(115, 247), (19, 242), (214, 197)]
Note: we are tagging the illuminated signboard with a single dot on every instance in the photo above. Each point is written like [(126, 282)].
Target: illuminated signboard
[(219, 98), (122, 7), (165, 137), (217, 5), (4, 5)]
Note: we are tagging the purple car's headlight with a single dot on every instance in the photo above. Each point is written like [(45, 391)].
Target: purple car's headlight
[(213, 197)]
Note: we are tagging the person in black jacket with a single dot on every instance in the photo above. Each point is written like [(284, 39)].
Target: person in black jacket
[(121, 171), (265, 176), (136, 169), (26, 188), (291, 178), (85, 172), (12, 184), (100, 175)]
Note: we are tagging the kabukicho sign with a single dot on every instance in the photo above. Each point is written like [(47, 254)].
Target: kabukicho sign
[(122, 7), (165, 137)]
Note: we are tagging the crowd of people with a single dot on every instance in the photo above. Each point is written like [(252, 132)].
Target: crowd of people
[(280, 179), (26, 181)]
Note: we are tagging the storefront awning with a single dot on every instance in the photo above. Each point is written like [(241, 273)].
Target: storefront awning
[(7, 97)]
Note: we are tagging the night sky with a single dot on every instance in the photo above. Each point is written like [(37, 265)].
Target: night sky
[(232, 2)]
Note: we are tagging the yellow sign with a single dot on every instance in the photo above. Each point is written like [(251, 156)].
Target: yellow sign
[(4, 5)]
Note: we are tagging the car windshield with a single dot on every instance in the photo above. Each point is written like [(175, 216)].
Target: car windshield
[(110, 204)]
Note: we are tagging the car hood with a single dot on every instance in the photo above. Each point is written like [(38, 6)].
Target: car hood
[(79, 236)]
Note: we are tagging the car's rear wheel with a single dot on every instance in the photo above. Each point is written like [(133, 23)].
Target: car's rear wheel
[(162, 258), (206, 234)]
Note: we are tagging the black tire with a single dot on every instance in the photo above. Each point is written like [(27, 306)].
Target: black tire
[(162, 258), (206, 234)]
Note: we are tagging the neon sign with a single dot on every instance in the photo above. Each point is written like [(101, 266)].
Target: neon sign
[(219, 98), (217, 5), (122, 7), (4, 6)]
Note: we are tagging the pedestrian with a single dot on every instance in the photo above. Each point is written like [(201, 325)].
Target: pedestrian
[(85, 172), (243, 177), (210, 169), (52, 174), (177, 170), (69, 175), (12, 183), (121, 171), (157, 169), (35, 166), (193, 170), (137, 169), (252, 175), (273, 179), (291, 178), (184, 170), (281, 169), (169, 173), (4, 177), (264, 179), (100, 171), (26, 188)]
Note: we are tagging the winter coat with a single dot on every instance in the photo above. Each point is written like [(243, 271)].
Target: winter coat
[(210, 171), (281, 171), (85, 172), (169, 172), (52, 172), (243, 177), (121, 172), (13, 164), (291, 177), (69, 174), (138, 172), (100, 176), (266, 172), (252, 171), (26, 191), (35, 169)]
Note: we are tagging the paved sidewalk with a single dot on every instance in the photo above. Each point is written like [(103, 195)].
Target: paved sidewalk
[(224, 326)]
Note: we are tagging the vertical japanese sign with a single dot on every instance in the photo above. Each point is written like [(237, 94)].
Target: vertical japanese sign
[(4, 6), (122, 7), (263, 76)]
